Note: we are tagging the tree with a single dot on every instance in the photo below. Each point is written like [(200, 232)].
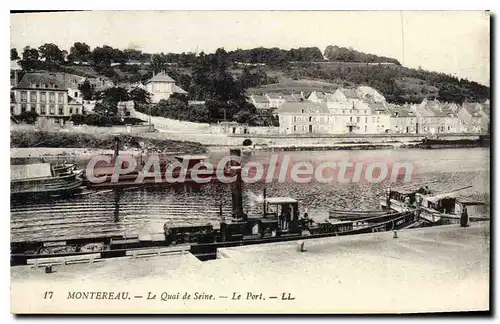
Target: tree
[(29, 117), (79, 52), (30, 59), (102, 57), (51, 53), (158, 62), (140, 96), (13, 54), (87, 90)]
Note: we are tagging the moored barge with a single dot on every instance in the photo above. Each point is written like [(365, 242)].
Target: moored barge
[(38, 180)]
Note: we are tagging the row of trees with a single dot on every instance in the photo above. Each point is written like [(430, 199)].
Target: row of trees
[(343, 54)]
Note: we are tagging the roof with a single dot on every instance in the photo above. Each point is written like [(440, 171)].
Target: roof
[(273, 95), (319, 94), (402, 112), (259, 98), (349, 93), (303, 107), (161, 77), (14, 65), (280, 200), (40, 80), (377, 107), (472, 107), (178, 89)]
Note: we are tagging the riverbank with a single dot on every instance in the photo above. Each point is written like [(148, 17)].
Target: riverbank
[(38, 144)]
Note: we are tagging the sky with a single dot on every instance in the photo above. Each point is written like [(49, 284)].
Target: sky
[(452, 42)]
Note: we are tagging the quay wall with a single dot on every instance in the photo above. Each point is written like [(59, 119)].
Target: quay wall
[(317, 139)]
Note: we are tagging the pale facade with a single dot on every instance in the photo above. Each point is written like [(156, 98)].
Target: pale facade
[(472, 118), (161, 87), (403, 121), (434, 117), (275, 100), (303, 118), (45, 95)]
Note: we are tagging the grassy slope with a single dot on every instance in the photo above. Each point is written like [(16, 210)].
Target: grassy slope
[(80, 140)]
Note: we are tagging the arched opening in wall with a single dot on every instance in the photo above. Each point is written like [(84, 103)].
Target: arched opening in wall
[(247, 142)]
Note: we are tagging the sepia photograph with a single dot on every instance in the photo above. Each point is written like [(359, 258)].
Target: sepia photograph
[(250, 162)]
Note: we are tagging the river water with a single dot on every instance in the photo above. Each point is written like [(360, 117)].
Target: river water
[(147, 210)]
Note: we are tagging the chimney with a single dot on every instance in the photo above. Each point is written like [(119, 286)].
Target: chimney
[(236, 187), (117, 147)]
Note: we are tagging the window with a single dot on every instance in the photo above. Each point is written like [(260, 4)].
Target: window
[(32, 96), (52, 110), (24, 96), (294, 119), (71, 110), (60, 110), (76, 94), (378, 119), (43, 96), (11, 109), (357, 119), (373, 119), (366, 119), (294, 128), (43, 109), (350, 119), (52, 97), (61, 98), (310, 119), (23, 108)]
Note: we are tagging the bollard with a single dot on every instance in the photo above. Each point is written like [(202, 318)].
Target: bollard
[(464, 218), (395, 235), (301, 246)]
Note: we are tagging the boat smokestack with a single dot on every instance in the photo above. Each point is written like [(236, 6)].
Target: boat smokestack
[(236, 186), (117, 147), (264, 209)]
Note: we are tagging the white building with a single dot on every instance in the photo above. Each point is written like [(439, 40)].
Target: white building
[(161, 87), (303, 118)]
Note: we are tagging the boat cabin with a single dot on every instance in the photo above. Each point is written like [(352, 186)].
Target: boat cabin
[(283, 209)]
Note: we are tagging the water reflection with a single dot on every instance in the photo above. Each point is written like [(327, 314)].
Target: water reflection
[(133, 211)]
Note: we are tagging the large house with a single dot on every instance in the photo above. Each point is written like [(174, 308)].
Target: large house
[(161, 86), (44, 94), (303, 117)]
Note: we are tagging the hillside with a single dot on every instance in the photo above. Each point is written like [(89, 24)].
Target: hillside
[(267, 69)]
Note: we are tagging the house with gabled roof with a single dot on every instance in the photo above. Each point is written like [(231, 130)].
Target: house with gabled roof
[(317, 96), (473, 118), (434, 117), (345, 95), (161, 86), (260, 101)]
